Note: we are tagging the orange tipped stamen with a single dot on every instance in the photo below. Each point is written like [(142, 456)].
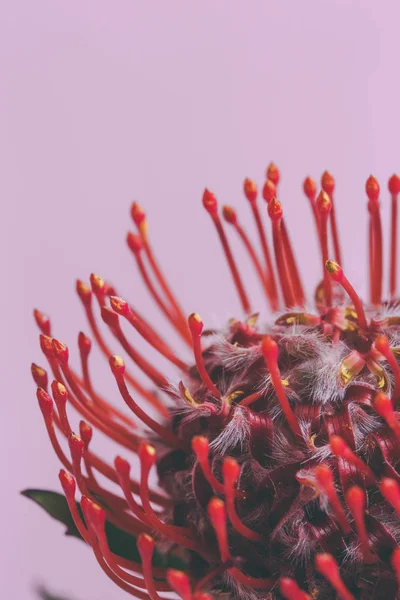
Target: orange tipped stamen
[(231, 472), (217, 514), (180, 583), (394, 189), (231, 217), (390, 490), (293, 268), (272, 173), (325, 479), (139, 218), (324, 207), (270, 351), (337, 274), (384, 407), (382, 345), (291, 591), (85, 295), (200, 447), (341, 450), (210, 204), (122, 308), (355, 499), (118, 369), (136, 246), (275, 212), (39, 376), (327, 566), (310, 190), (145, 545), (111, 319), (196, 327), (375, 241), (328, 185), (250, 190), (43, 322)]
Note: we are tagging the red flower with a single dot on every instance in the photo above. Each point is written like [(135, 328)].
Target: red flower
[(277, 454)]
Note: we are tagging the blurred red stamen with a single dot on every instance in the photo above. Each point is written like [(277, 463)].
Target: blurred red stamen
[(180, 583), (390, 490), (342, 450), (327, 566), (325, 479), (355, 499), (384, 407), (231, 472), (200, 446), (291, 591)]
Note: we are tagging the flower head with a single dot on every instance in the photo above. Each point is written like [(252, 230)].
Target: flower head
[(277, 450)]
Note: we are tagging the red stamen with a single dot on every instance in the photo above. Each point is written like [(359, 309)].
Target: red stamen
[(196, 327), (382, 345), (324, 207), (272, 173), (39, 376), (85, 407), (111, 319), (180, 583), (250, 191), (217, 514), (60, 396), (250, 399), (375, 241), (270, 351), (43, 322), (328, 185), (200, 446), (140, 220), (121, 307), (355, 499), (123, 468), (325, 479), (292, 266), (85, 295), (394, 189), (396, 563), (384, 407), (118, 370), (85, 344), (210, 204), (390, 490), (145, 545), (275, 212), (336, 272), (291, 591), (310, 190), (231, 472), (46, 406), (69, 487), (327, 566), (341, 450), (147, 456), (136, 246), (231, 217)]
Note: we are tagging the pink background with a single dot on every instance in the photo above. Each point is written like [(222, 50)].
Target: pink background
[(102, 102)]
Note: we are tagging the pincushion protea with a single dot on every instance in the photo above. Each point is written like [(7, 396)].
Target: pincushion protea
[(277, 453)]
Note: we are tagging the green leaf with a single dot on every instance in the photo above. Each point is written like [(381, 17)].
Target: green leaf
[(121, 543), (56, 506)]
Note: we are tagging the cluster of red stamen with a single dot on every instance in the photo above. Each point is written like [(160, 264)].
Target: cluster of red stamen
[(229, 501)]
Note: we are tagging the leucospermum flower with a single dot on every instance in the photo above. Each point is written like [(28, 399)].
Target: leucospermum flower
[(276, 450)]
